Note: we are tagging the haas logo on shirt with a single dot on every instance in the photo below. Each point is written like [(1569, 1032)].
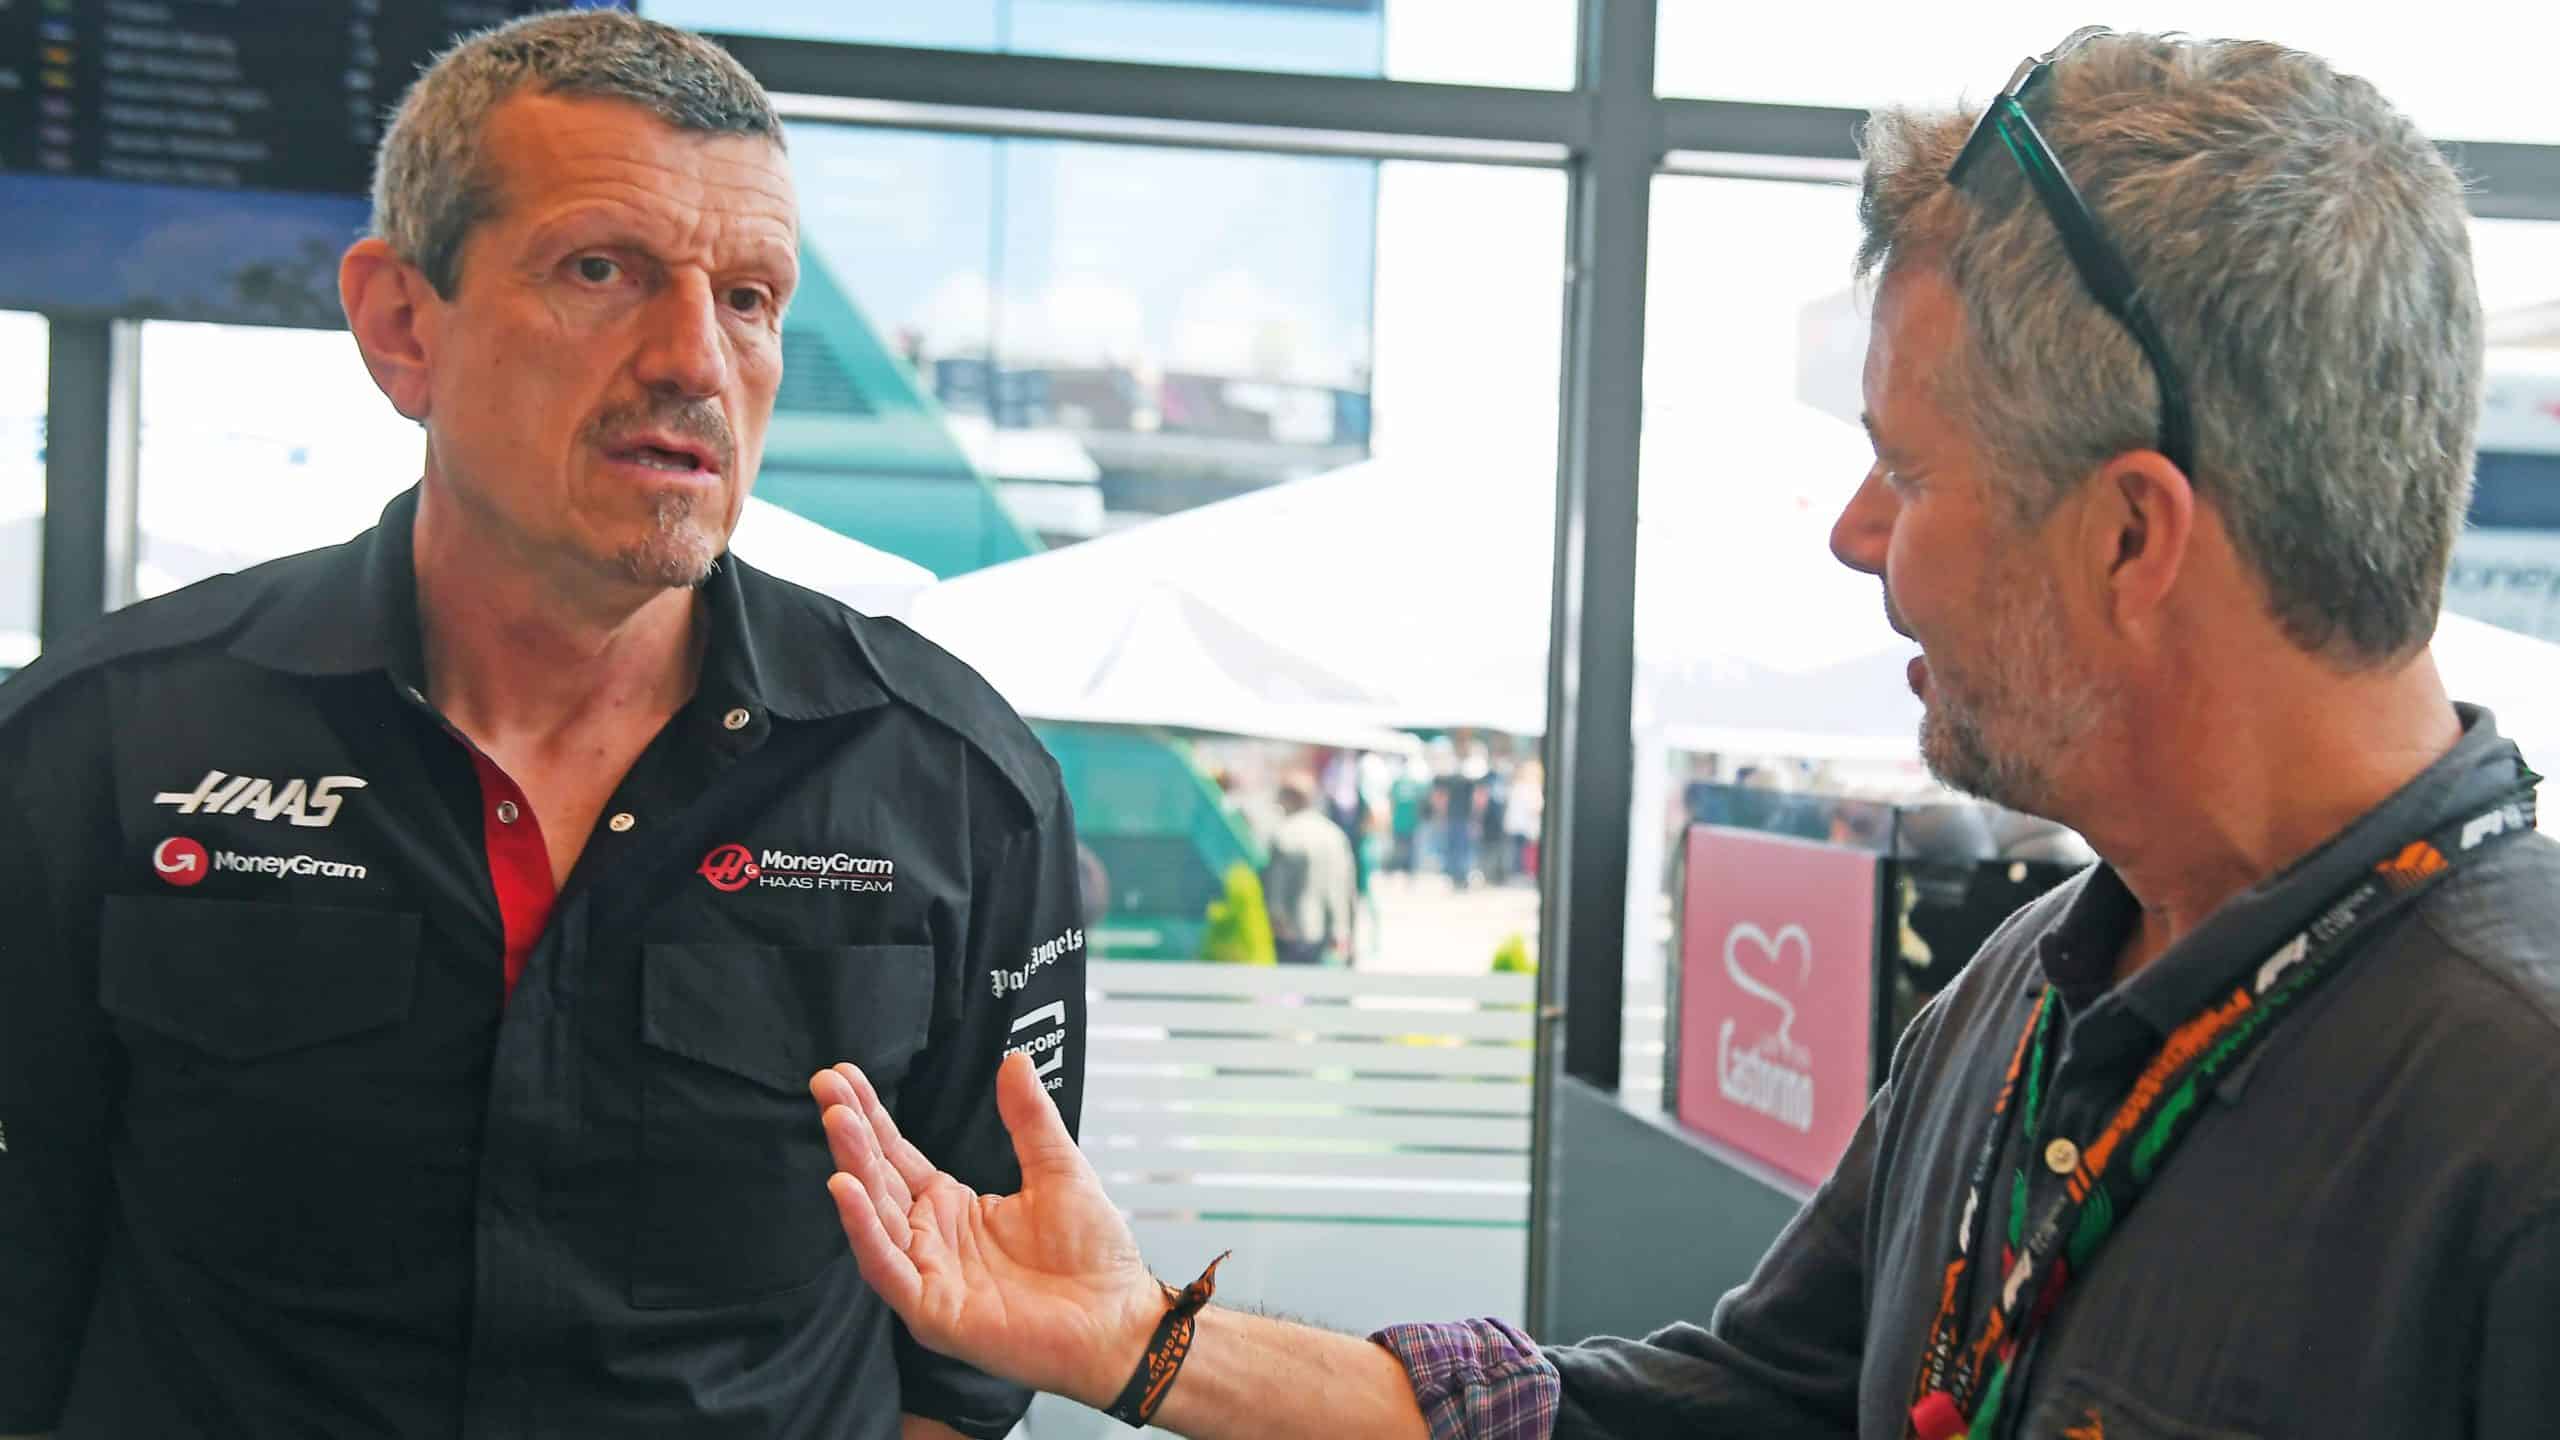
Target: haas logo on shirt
[(730, 868), (309, 803)]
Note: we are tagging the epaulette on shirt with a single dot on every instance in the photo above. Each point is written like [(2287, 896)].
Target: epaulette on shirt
[(207, 610), (934, 681)]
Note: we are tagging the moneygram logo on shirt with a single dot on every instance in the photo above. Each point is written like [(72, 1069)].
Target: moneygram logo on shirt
[(182, 862), (730, 868)]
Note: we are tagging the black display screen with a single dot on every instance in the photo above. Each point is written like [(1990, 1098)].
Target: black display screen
[(200, 159)]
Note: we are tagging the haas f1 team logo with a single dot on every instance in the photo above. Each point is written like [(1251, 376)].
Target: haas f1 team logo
[(312, 804), (730, 867), (735, 867), (180, 861)]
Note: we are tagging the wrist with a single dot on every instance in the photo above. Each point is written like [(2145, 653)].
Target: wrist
[(1168, 1344), (1125, 1324)]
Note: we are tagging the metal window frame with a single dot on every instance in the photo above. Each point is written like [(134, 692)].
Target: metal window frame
[(1611, 135), (92, 453)]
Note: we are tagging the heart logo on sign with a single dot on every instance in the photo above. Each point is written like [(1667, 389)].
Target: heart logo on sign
[(1771, 955)]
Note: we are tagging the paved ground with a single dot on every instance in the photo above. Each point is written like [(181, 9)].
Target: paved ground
[(1421, 926)]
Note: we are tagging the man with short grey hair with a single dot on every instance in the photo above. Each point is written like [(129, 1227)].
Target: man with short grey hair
[(413, 951), (2244, 1131)]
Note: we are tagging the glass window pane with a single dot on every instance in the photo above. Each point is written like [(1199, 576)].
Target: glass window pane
[(2472, 71), (23, 369), (1258, 451), (1115, 334), (1524, 43), (1233, 466), (258, 443), (1766, 675), (1031, 311), (2506, 567)]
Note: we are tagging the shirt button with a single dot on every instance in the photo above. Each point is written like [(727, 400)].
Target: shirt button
[(622, 821), (2062, 1157), (736, 719), (506, 812)]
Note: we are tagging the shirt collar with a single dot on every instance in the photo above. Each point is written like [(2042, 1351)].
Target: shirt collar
[(353, 608), (2078, 955)]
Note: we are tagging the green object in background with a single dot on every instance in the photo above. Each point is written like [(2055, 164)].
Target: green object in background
[(949, 525), (1160, 829), (1511, 957), (858, 445), (1239, 929)]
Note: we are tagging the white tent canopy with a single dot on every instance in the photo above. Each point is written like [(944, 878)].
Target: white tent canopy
[(1425, 590), (800, 550), (1178, 663), (1861, 709), (1424, 593), (2516, 676)]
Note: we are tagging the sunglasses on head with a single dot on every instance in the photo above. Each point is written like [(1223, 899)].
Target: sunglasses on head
[(2006, 125)]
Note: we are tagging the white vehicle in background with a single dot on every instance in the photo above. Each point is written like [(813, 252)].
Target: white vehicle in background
[(2506, 566)]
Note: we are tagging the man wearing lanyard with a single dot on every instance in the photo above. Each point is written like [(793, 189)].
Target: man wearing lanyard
[(412, 954), (2247, 1131)]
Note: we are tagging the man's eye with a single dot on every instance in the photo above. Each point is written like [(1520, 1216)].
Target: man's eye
[(597, 270), (747, 300)]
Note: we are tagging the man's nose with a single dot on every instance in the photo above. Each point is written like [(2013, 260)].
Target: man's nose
[(1861, 535), (686, 353)]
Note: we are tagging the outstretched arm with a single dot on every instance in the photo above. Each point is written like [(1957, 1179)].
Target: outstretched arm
[(1046, 1287)]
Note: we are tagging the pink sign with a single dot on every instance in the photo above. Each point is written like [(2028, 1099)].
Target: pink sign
[(1777, 959)]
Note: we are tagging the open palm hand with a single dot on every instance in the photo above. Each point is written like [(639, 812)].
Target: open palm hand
[(1044, 1287)]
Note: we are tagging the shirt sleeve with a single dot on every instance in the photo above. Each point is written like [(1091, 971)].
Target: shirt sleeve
[(1476, 1379), (1781, 1356), (1021, 987), (58, 1079), (2518, 1387)]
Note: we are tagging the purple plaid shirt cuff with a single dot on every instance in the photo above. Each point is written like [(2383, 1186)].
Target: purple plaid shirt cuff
[(1477, 1379)]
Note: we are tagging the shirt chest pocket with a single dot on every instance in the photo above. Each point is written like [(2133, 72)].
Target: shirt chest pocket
[(2084, 1407), (732, 1199), (257, 1036)]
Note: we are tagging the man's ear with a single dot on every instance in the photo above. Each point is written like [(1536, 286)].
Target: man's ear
[(2136, 536), (386, 299)]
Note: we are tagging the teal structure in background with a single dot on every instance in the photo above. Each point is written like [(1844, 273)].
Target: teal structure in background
[(858, 446), (1160, 829)]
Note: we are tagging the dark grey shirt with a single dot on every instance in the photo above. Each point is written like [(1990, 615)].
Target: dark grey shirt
[(2362, 1238)]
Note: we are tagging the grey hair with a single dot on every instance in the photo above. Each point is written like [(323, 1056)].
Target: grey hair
[(2306, 254), (431, 184)]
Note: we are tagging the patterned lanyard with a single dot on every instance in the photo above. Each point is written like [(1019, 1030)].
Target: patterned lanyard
[(2164, 1103)]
